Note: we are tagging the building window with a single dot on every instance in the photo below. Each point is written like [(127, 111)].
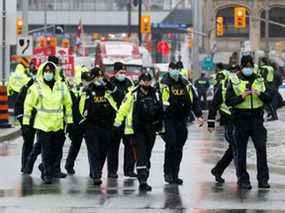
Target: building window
[(276, 14)]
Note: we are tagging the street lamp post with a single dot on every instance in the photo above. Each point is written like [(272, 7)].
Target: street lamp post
[(3, 41), (139, 24), (267, 10)]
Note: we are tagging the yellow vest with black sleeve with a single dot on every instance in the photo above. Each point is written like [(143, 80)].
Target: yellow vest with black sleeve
[(84, 97), (165, 91), (251, 101), (223, 107)]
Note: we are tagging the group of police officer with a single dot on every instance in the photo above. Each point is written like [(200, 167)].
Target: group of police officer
[(105, 112)]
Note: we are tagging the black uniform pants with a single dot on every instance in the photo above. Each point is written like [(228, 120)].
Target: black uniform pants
[(175, 137), (202, 95), (229, 154), (98, 140), (258, 135), (144, 140), (36, 151), (51, 149), (28, 134), (76, 141), (113, 153)]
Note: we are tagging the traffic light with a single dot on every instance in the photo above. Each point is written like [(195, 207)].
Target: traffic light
[(145, 24), (51, 41), (240, 17), (65, 43), (42, 42), (190, 37), (220, 26), (19, 26)]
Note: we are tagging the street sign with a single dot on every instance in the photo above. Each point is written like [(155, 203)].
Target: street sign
[(208, 63), (25, 46)]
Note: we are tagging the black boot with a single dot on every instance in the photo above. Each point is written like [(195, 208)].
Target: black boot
[(218, 177), (47, 180), (264, 185), (131, 174), (70, 171), (97, 181), (169, 179), (245, 185), (144, 187)]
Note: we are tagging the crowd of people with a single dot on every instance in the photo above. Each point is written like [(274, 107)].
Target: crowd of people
[(107, 111)]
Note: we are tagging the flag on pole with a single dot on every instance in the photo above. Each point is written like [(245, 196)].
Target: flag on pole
[(79, 38)]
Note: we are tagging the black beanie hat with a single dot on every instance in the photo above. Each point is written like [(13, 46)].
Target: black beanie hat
[(53, 59), (146, 76), (118, 66)]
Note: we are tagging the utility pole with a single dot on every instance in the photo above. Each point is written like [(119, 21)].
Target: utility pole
[(45, 16), (4, 13), (139, 24), (25, 5), (195, 49), (267, 11), (129, 5)]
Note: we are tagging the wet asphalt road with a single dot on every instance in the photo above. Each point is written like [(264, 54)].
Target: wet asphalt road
[(200, 193)]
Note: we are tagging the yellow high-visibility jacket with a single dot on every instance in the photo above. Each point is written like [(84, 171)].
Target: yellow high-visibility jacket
[(54, 106)]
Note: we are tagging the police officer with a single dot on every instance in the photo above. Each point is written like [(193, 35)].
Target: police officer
[(179, 98), (36, 151), (53, 103), (202, 84), (218, 104), (98, 108), (271, 79), (123, 85), (28, 132), (247, 94), (17, 80), (142, 110), (75, 132)]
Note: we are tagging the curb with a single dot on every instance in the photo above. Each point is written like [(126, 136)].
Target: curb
[(11, 136)]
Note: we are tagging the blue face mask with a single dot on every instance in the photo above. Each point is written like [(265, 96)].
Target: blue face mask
[(247, 71), (174, 73), (48, 76), (120, 77)]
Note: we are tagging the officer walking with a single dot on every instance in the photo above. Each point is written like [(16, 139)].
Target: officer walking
[(17, 80), (271, 80), (51, 98), (75, 131), (123, 85), (142, 111), (247, 94), (28, 132), (218, 104), (202, 84), (179, 98), (98, 108)]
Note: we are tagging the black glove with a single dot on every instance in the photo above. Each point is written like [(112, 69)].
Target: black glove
[(26, 129)]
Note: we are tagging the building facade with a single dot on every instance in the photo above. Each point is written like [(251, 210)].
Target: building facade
[(255, 31)]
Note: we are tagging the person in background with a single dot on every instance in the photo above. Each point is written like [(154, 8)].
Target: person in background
[(28, 132), (202, 85)]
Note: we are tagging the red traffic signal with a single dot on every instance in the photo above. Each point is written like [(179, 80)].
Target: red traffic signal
[(163, 47)]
